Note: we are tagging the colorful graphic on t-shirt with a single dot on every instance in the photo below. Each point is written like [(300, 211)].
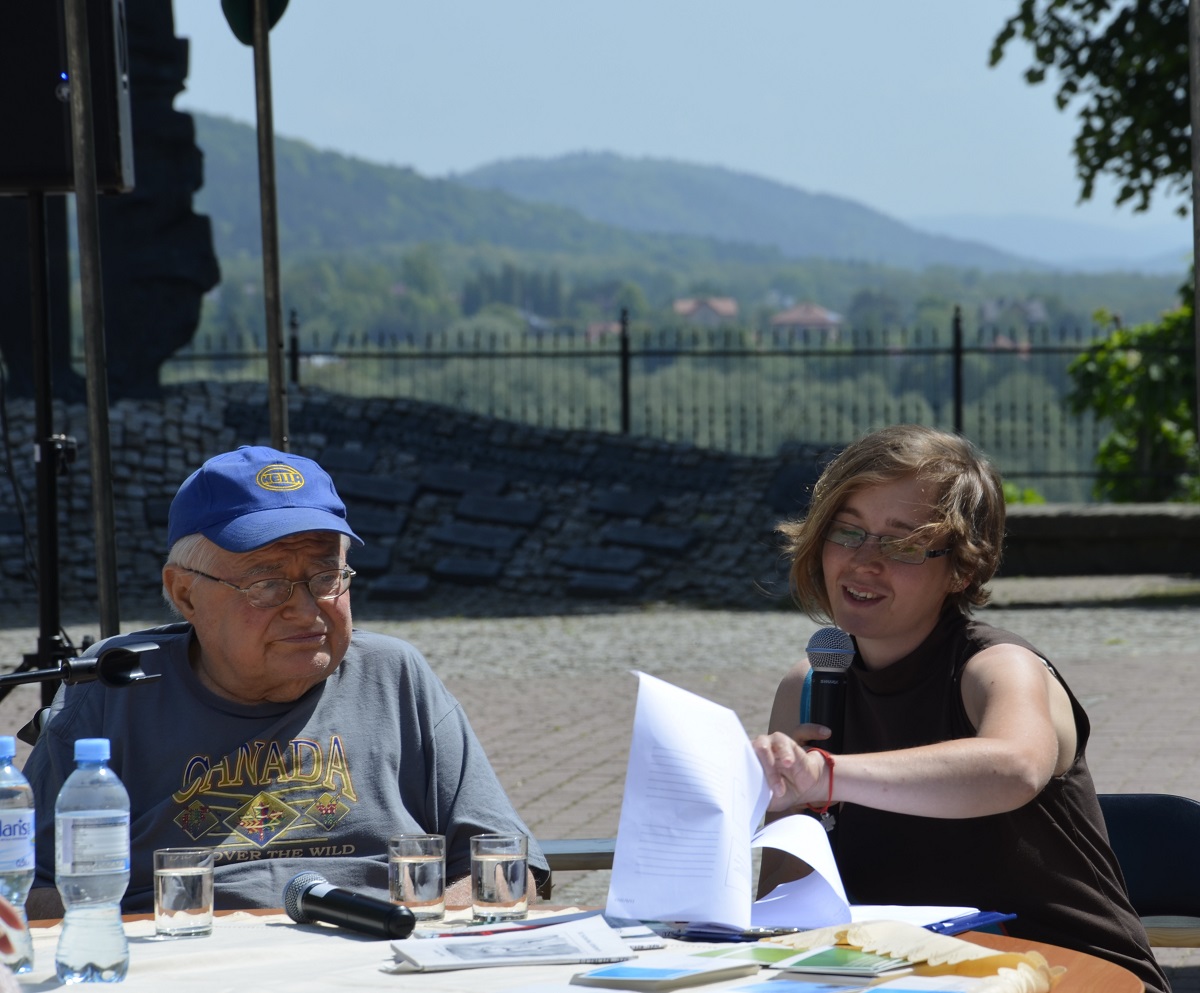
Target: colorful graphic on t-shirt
[(266, 795)]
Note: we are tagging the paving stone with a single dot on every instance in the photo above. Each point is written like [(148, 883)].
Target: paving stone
[(617, 467), (369, 519), (451, 479), (399, 586), (484, 536), (500, 510), (388, 490), (658, 539), (334, 460), (624, 503), (602, 584), (469, 571), (790, 488), (591, 559), (372, 559), (157, 511)]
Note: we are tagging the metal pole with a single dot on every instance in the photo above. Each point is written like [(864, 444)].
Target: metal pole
[(625, 420), (958, 370), (45, 463), (87, 217), (294, 348), (276, 383), (49, 451), (1194, 103)]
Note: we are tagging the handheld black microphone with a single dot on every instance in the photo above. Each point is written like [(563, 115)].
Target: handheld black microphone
[(830, 652), (309, 897)]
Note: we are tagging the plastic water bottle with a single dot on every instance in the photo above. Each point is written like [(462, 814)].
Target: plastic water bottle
[(16, 848), (91, 868)]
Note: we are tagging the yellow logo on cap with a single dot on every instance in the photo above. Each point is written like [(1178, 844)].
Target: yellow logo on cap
[(279, 477)]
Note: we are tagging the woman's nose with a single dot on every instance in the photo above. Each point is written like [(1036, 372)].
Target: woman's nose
[(870, 550)]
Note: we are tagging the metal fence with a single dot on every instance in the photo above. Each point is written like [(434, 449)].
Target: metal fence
[(736, 390)]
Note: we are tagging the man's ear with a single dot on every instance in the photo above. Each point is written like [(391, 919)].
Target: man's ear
[(178, 584)]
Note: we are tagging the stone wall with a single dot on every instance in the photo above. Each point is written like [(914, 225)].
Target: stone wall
[(466, 514), (459, 512)]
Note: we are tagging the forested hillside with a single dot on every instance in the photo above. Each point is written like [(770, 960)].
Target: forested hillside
[(708, 201), (329, 203), (369, 248)]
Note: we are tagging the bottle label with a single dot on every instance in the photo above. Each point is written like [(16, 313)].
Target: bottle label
[(16, 840), (94, 844)]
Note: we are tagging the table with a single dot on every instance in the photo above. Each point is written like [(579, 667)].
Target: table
[(1084, 972), (265, 952)]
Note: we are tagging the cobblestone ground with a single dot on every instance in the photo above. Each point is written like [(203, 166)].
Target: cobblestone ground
[(552, 697)]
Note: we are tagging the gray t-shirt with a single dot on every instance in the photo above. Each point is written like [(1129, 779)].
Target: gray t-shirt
[(319, 784)]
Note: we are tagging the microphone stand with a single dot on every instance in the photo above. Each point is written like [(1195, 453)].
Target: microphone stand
[(52, 454), (118, 667)]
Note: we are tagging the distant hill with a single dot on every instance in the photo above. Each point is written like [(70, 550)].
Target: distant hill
[(1077, 246), (364, 213), (332, 203), (658, 195), (595, 204)]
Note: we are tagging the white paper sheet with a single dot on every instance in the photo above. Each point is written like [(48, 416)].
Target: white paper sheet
[(816, 900), (920, 916), (694, 792)]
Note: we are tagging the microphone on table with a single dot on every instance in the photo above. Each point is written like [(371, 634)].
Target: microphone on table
[(310, 897), (830, 652)]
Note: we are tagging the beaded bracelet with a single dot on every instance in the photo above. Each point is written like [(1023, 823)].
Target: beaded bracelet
[(829, 800)]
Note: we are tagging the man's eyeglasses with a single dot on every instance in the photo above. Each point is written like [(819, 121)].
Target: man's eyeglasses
[(898, 549), (273, 592)]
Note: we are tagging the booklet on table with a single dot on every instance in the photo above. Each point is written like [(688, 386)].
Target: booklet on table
[(783, 984), (839, 960), (665, 972), (586, 940)]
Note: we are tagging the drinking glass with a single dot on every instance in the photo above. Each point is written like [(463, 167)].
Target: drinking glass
[(417, 874), (499, 871), (183, 892)]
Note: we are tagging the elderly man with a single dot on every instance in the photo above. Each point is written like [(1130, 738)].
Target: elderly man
[(277, 734)]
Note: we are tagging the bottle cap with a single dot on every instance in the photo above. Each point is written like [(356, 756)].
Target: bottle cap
[(8, 746), (91, 750)]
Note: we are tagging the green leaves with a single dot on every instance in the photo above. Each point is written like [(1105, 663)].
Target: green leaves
[(1142, 380), (1128, 64)]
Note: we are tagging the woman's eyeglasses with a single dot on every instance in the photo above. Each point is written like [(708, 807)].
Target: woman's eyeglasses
[(898, 549)]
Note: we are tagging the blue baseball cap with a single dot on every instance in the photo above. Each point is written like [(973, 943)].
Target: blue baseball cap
[(245, 499)]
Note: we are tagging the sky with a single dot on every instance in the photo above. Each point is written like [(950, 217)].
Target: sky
[(887, 102)]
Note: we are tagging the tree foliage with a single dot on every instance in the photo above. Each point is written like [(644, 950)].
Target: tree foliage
[(534, 291), (1128, 62), (1142, 381)]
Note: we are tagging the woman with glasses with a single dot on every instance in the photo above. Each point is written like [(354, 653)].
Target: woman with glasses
[(962, 779)]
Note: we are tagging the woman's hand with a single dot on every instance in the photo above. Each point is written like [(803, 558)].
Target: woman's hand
[(795, 776)]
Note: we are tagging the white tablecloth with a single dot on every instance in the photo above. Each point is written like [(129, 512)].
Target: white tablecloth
[(255, 954)]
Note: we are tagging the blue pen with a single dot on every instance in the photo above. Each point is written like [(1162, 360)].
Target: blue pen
[(969, 922)]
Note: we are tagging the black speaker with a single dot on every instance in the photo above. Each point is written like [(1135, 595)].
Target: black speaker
[(35, 108)]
